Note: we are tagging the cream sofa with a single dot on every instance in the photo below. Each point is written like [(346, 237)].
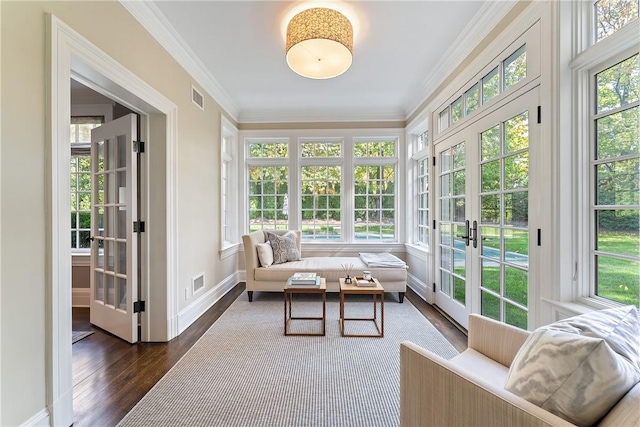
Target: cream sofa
[(468, 390), (274, 277)]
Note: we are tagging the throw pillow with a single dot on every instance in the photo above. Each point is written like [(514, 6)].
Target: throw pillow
[(284, 247), (580, 367), (265, 254)]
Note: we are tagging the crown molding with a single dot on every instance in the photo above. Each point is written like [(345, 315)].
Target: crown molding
[(482, 23), (152, 19), (320, 115)]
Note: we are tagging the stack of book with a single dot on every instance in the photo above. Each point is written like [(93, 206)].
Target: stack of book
[(304, 279)]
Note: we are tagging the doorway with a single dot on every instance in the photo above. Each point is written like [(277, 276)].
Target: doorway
[(72, 56), (484, 189)]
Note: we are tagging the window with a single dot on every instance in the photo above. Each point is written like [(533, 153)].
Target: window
[(334, 188), (268, 185), (612, 15), (423, 201), (228, 187), (490, 85), (321, 183), (607, 75), (509, 72), (81, 180), (374, 188), (615, 178), (472, 99), (515, 68)]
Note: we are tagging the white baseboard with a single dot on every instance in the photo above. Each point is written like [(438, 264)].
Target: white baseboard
[(41, 419), (420, 288), (80, 297), (191, 313)]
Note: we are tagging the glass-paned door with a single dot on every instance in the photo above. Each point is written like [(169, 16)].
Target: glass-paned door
[(504, 220), (485, 188), (114, 250), (453, 229)]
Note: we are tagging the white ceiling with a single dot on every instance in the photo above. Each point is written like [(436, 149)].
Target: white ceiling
[(398, 47)]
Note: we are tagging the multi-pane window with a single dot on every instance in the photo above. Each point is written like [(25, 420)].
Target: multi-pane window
[(268, 183), (615, 163), (321, 184), (612, 15), (374, 188), (81, 180), (423, 201), (505, 75)]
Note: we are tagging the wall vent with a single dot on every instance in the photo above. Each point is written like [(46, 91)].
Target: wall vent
[(197, 98), (197, 283)]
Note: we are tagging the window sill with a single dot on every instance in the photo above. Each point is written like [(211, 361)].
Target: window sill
[(229, 250), (80, 259), (580, 306), (419, 251)]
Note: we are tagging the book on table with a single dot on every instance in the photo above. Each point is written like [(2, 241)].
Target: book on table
[(293, 283), (304, 278)]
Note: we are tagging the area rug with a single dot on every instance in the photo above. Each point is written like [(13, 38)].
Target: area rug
[(78, 335), (245, 372)]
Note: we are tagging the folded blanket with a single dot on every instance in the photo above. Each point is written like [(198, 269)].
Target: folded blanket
[(381, 260)]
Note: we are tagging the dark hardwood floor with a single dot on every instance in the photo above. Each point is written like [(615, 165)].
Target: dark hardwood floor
[(110, 376)]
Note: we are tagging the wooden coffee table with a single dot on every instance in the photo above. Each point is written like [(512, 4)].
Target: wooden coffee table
[(288, 294), (375, 291)]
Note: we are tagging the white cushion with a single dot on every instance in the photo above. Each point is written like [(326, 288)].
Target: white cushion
[(284, 247), (580, 367), (265, 254)]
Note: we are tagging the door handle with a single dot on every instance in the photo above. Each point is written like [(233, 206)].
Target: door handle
[(475, 234), (468, 235)]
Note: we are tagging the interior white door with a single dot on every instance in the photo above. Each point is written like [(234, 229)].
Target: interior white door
[(114, 210)]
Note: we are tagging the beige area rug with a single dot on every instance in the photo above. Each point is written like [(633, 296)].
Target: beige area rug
[(78, 335), (245, 372)]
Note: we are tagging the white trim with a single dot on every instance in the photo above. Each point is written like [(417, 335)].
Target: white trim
[(69, 53), (80, 297), (626, 38), (152, 19), (315, 115), (483, 22), (230, 250), (339, 249), (41, 419), (416, 250), (81, 259), (420, 288), (196, 309)]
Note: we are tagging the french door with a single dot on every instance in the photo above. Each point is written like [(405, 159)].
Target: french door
[(484, 189), (114, 209)]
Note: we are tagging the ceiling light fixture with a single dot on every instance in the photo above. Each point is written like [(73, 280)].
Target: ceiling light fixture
[(319, 43)]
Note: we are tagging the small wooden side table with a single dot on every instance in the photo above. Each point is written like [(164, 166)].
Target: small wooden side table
[(375, 291), (288, 294)]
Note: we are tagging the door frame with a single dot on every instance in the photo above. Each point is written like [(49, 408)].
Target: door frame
[(69, 55)]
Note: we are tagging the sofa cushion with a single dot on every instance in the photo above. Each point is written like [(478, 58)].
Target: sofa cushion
[(328, 267), (265, 254), (580, 367), (284, 247)]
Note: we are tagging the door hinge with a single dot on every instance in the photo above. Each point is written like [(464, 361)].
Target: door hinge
[(539, 237), (138, 306), (138, 226), (138, 146), (434, 286), (539, 114), (434, 224), (434, 160)]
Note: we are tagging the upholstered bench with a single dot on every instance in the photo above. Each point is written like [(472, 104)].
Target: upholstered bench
[(273, 277)]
